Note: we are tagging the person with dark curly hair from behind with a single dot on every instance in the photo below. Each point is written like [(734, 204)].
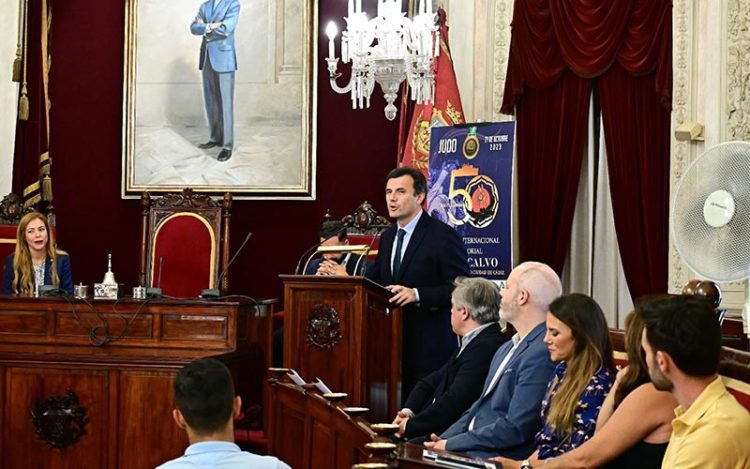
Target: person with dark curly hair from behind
[(206, 407)]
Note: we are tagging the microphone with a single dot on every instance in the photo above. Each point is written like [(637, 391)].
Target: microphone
[(155, 292), (363, 257), (314, 247), (51, 290), (216, 292)]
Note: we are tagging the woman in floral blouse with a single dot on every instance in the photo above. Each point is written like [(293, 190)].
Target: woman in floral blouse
[(578, 340)]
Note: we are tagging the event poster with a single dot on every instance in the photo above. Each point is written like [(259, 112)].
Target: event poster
[(470, 189)]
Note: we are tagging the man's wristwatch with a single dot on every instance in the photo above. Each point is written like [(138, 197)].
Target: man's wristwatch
[(526, 464)]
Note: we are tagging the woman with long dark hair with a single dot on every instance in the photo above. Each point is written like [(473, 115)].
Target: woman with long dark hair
[(36, 261), (578, 340), (635, 421)]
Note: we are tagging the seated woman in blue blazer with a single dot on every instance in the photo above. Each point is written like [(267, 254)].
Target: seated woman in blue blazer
[(36, 261), (578, 341)]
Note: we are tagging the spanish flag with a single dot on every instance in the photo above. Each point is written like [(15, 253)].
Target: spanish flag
[(414, 148)]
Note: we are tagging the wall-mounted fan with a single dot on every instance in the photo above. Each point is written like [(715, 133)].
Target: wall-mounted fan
[(710, 217)]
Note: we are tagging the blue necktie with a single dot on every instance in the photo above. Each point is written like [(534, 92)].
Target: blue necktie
[(397, 254)]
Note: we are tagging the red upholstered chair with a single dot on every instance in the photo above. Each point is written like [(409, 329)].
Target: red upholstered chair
[(7, 240), (184, 242)]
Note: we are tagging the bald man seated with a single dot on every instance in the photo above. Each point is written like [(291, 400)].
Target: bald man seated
[(505, 418)]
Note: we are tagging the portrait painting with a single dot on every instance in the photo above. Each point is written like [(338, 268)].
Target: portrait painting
[(219, 97)]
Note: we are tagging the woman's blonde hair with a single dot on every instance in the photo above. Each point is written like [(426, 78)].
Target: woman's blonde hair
[(592, 351), (23, 273)]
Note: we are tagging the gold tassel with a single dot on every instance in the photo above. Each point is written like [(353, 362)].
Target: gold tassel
[(47, 188), (17, 67), (23, 104)]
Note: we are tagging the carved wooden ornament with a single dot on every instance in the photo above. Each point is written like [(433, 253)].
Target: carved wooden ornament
[(60, 421), (323, 327)]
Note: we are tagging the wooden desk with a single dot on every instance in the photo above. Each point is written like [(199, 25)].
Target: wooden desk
[(47, 348), (308, 432)]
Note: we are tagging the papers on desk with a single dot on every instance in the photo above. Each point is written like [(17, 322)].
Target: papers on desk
[(296, 378), (453, 460), (319, 384), (322, 386)]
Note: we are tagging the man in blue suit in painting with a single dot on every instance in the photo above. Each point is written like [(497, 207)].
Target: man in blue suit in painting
[(215, 22)]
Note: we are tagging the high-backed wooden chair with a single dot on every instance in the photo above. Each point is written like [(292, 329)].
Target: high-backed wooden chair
[(184, 242), (363, 227)]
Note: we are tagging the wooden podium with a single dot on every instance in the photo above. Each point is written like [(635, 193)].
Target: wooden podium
[(344, 331)]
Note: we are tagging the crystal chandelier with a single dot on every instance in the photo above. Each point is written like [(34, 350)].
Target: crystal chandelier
[(386, 49)]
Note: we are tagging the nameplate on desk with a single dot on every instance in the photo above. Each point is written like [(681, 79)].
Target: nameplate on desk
[(189, 317)]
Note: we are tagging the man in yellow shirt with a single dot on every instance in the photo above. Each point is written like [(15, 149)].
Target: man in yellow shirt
[(682, 341)]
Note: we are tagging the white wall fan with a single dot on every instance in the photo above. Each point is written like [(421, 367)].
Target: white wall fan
[(710, 217)]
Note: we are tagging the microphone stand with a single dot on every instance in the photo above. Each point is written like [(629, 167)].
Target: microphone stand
[(156, 292), (213, 293), (366, 253)]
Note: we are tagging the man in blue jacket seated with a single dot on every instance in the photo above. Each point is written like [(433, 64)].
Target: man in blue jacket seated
[(440, 398), (505, 418), (206, 407)]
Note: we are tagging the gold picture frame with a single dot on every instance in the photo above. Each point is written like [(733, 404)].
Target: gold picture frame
[(164, 116)]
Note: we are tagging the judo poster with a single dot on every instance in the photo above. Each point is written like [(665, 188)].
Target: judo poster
[(470, 189)]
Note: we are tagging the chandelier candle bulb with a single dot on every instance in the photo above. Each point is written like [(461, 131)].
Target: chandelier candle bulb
[(331, 32)]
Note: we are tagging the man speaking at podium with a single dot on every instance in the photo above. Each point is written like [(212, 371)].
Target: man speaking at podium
[(418, 260)]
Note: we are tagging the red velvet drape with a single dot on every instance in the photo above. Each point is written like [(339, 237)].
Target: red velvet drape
[(627, 43), (548, 173), (638, 155)]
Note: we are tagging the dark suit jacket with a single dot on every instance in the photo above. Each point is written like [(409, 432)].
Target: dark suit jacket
[(434, 257), (439, 399), (509, 416), (63, 272), (351, 264)]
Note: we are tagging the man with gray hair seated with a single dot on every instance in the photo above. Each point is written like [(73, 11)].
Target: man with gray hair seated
[(441, 397), (505, 418)]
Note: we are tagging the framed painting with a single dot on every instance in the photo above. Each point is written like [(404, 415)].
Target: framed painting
[(219, 95)]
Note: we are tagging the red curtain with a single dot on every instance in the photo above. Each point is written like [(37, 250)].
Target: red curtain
[(550, 134), (627, 44), (638, 155)]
